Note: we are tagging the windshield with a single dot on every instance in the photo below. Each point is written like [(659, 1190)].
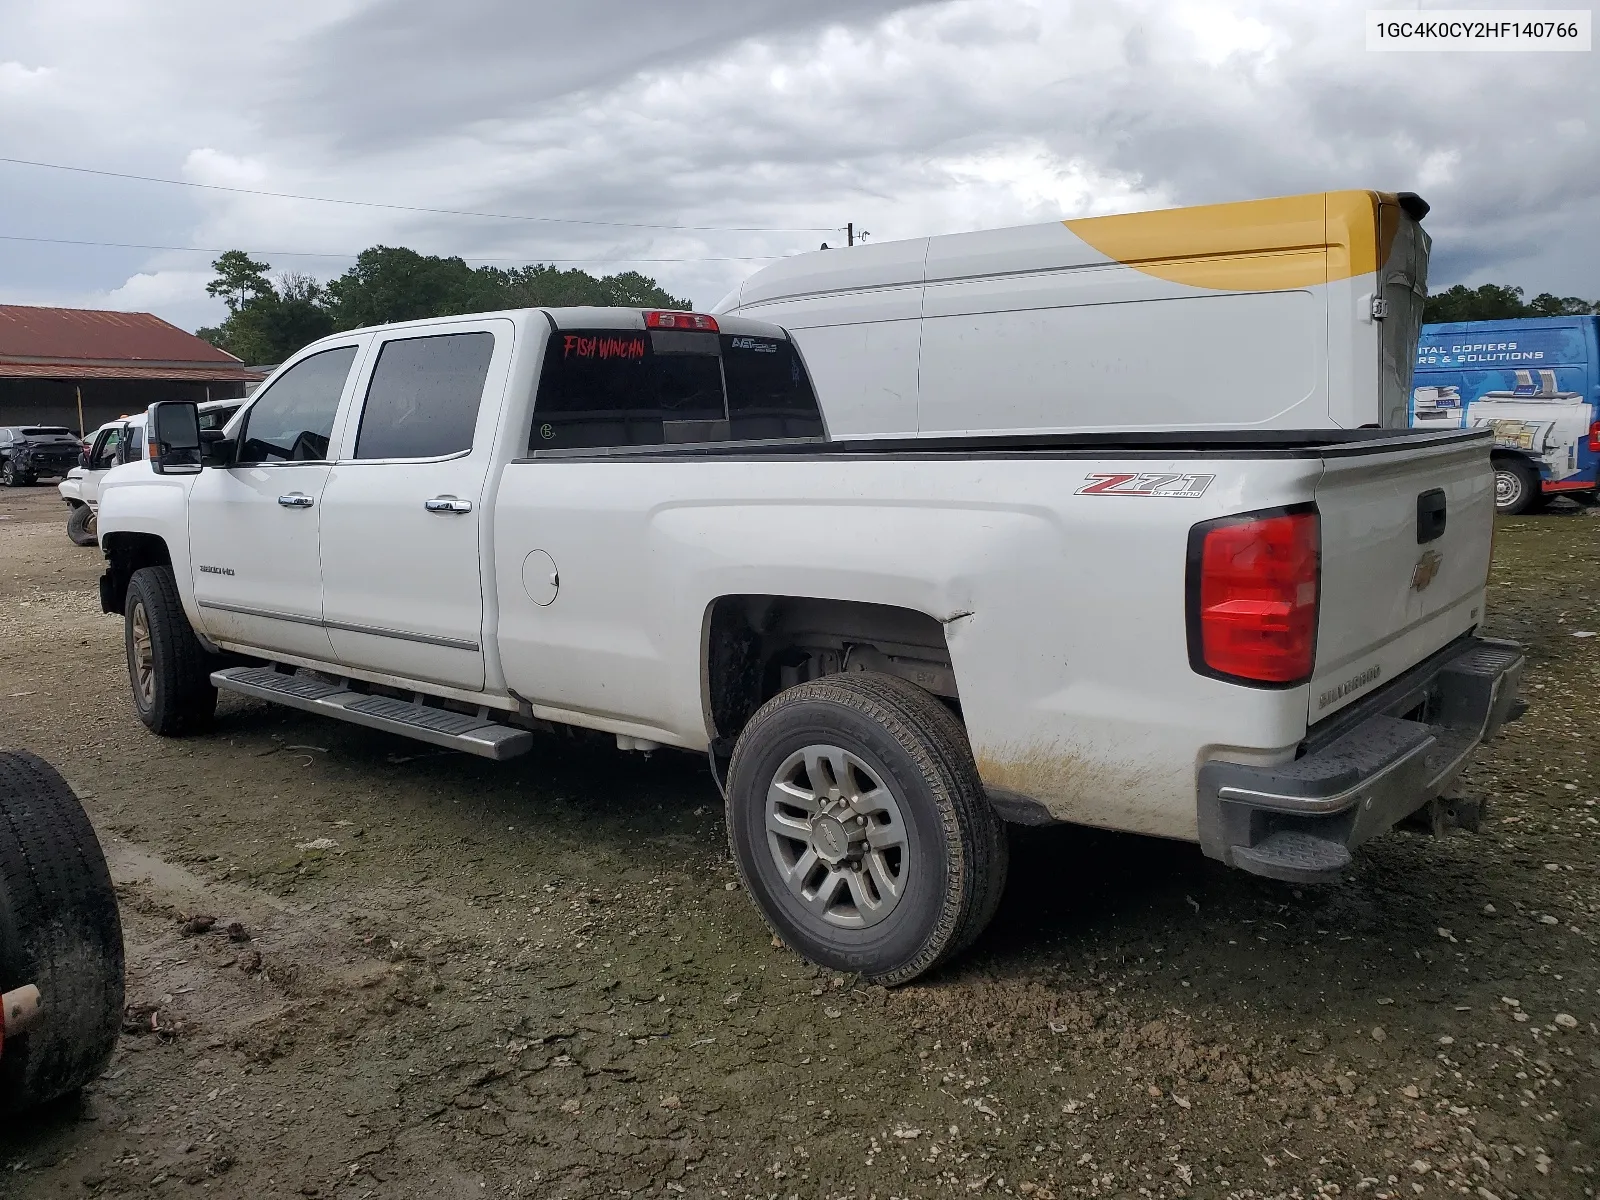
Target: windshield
[(45, 431)]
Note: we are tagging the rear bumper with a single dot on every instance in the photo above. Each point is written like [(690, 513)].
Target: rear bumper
[(1363, 770)]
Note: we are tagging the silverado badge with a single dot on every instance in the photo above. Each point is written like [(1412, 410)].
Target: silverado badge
[(1427, 567)]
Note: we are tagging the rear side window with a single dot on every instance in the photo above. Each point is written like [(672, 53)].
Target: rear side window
[(769, 395), (293, 419), (216, 418), (624, 387), (424, 396)]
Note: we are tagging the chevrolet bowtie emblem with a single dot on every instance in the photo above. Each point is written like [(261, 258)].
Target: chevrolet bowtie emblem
[(1426, 569)]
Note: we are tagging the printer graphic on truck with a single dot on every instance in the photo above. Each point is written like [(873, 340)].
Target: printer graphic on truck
[(1535, 382)]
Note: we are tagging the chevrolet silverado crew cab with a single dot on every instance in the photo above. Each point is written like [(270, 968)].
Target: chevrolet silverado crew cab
[(465, 529)]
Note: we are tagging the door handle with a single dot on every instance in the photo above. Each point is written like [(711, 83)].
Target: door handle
[(447, 504), (296, 500)]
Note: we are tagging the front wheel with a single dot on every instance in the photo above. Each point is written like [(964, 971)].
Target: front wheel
[(1516, 487), (860, 827), (81, 526), (167, 666)]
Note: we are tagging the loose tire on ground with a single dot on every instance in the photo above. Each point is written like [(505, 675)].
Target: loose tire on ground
[(81, 526), (59, 929), (1516, 487), (168, 669), (860, 827)]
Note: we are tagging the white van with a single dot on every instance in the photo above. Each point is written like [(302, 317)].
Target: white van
[(1294, 313)]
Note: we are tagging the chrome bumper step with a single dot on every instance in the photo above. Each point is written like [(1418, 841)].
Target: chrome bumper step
[(469, 732)]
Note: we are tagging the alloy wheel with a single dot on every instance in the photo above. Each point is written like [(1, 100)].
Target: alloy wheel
[(838, 837), (144, 656)]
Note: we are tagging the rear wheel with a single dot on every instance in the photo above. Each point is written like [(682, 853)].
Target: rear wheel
[(9, 476), (1516, 487), (59, 930), (860, 827), (168, 669), (81, 524)]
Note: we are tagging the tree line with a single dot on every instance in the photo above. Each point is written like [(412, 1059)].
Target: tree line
[(1498, 302), (269, 319)]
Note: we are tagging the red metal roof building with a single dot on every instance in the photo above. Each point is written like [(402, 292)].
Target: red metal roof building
[(58, 363)]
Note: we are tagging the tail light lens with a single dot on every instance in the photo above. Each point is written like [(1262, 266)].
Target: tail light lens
[(1594, 438), (695, 322), (1252, 595)]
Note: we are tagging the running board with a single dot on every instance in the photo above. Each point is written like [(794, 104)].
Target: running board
[(441, 727)]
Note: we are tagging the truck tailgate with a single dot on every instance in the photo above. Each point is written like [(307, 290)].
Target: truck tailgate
[(1405, 557)]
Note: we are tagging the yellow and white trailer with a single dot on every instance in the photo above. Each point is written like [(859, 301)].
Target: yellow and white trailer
[(1293, 313)]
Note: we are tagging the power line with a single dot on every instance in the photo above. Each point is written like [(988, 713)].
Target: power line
[(7, 237), (448, 212)]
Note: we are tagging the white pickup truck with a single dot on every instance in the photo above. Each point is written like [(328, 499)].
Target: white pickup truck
[(464, 529)]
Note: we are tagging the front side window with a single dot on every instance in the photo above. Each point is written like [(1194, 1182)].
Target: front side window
[(424, 396), (104, 455), (293, 419), (625, 387)]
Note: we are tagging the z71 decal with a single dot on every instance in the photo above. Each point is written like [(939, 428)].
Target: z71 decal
[(1150, 483)]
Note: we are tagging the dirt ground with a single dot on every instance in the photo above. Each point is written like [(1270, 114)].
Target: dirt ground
[(458, 978)]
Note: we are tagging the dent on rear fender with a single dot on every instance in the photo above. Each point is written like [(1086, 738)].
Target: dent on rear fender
[(1088, 790)]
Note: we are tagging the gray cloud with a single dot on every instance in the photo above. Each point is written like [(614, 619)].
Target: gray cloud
[(908, 119), (403, 71)]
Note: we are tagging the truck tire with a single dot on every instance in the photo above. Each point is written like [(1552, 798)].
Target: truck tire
[(860, 827), (81, 526), (59, 930), (168, 669), (1516, 487)]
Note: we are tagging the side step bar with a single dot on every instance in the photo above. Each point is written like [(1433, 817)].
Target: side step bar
[(456, 731)]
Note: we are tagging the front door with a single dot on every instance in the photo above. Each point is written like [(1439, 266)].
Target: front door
[(402, 514), (253, 527)]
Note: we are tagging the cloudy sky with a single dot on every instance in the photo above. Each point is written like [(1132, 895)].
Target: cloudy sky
[(701, 137)]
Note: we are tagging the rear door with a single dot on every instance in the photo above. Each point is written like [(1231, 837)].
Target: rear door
[(402, 516), (1405, 557)]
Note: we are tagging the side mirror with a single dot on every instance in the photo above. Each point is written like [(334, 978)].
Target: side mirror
[(173, 431), (218, 448)]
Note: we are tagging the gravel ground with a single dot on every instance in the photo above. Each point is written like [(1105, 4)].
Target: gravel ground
[(361, 968)]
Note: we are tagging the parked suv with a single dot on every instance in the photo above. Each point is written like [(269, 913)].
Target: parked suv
[(29, 451)]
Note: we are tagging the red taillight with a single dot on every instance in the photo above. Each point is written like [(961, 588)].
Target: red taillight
[(697, 322), (1253, 597), (1594, 438)]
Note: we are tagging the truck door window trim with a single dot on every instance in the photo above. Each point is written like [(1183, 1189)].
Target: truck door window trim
[(403, 635)]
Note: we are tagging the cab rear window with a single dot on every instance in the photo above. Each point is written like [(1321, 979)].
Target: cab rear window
[(626, 387)]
